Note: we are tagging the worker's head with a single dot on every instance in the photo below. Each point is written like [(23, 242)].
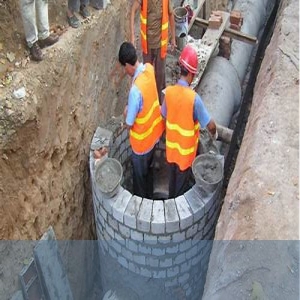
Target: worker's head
[(128, 57), (188, 61)]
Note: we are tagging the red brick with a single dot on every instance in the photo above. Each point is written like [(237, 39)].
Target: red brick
[(235, 17), (214, 22)]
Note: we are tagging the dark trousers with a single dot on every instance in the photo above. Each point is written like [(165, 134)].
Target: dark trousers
[(178, 180), (142, 174), (153, 57)]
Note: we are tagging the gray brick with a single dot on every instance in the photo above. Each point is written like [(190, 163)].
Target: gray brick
[(144, 249), (125, 231), (132, 267), (152, 261), (207, 199), (192, 252), (145, 272), (184, 212), (150, 239), (120, 239), (201, 223), (113, 223), (122, 261), (192, 231), (109, 202), (196, 260), (159, 274), (166, 262), (171, 283), (120, 205), (135, 235), (171, 215), (172, 250), (110, 231), (144, 215), (195, 203), (105, 245), (116, 246), (185, 245), (127, 254), (182, 279), (132, 246), (101, 220), (208, 226), (132, 211), (186, 266), (171, 272), (139, 259), (164, 239), (112, 253), (158, 251), (103, 213), (179, 259), (158, 218), (178, 237)]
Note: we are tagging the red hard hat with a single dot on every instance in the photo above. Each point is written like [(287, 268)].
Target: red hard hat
[(188, 58)]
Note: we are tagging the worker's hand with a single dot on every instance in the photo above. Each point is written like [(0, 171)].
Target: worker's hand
[(132, 40), (173, 44), (125, 112)]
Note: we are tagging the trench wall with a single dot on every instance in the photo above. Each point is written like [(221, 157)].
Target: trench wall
[(167, 242)]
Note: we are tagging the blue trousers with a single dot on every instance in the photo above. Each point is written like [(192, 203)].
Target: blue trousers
[(178, 180), (142, 174)]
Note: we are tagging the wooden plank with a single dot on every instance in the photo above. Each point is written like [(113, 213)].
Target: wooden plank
[(208, 44), (196, 13), (230, 32)]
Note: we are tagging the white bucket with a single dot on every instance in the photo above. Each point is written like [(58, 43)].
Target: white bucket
[(181, 21)]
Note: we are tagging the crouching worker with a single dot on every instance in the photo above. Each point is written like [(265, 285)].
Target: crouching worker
[(184, 113), (143, 118)]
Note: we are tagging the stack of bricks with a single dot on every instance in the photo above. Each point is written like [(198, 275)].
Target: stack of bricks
[(215, 20), (225, 47), (236, 20)]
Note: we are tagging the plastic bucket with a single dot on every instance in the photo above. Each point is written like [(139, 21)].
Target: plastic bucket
[(208, 172), (108, 176), (181, 21)]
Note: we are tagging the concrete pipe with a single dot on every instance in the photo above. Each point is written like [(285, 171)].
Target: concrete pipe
[(220, 87)]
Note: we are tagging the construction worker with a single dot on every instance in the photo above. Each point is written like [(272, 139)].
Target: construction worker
[(184, 113), (143, 118), (155, 16)]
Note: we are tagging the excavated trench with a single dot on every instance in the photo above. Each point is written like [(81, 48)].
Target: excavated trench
[(161, 244), (162, 254)]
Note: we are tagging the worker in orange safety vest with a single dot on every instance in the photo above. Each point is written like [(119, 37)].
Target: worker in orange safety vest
[(185, 114), (155, 17), (143, 118)]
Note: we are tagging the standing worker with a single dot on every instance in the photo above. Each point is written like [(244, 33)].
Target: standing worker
[(143, 118), (155, 16), (184, 112), (36, 26)]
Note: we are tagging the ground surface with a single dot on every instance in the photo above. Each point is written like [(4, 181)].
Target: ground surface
[(43, 168)]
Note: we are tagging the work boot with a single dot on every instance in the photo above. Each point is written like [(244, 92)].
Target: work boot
[(84, 11), (36, 52), (49, 41)]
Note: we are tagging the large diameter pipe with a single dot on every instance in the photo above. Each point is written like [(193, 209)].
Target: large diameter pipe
[(255, 14), (220, 87)]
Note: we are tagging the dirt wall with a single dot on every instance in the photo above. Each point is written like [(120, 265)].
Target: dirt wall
[(45, 137)]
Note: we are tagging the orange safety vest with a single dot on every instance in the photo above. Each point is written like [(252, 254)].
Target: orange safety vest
[(148, 125), (182, 132), (164, 27)]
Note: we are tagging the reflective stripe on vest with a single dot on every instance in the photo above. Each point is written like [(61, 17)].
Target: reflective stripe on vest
[(182, 132), (164, 27), (148, 125)]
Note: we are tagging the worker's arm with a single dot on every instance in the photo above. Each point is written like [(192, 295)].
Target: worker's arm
[(212, 128), (172, 28), (135, 7), (201, 114)]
